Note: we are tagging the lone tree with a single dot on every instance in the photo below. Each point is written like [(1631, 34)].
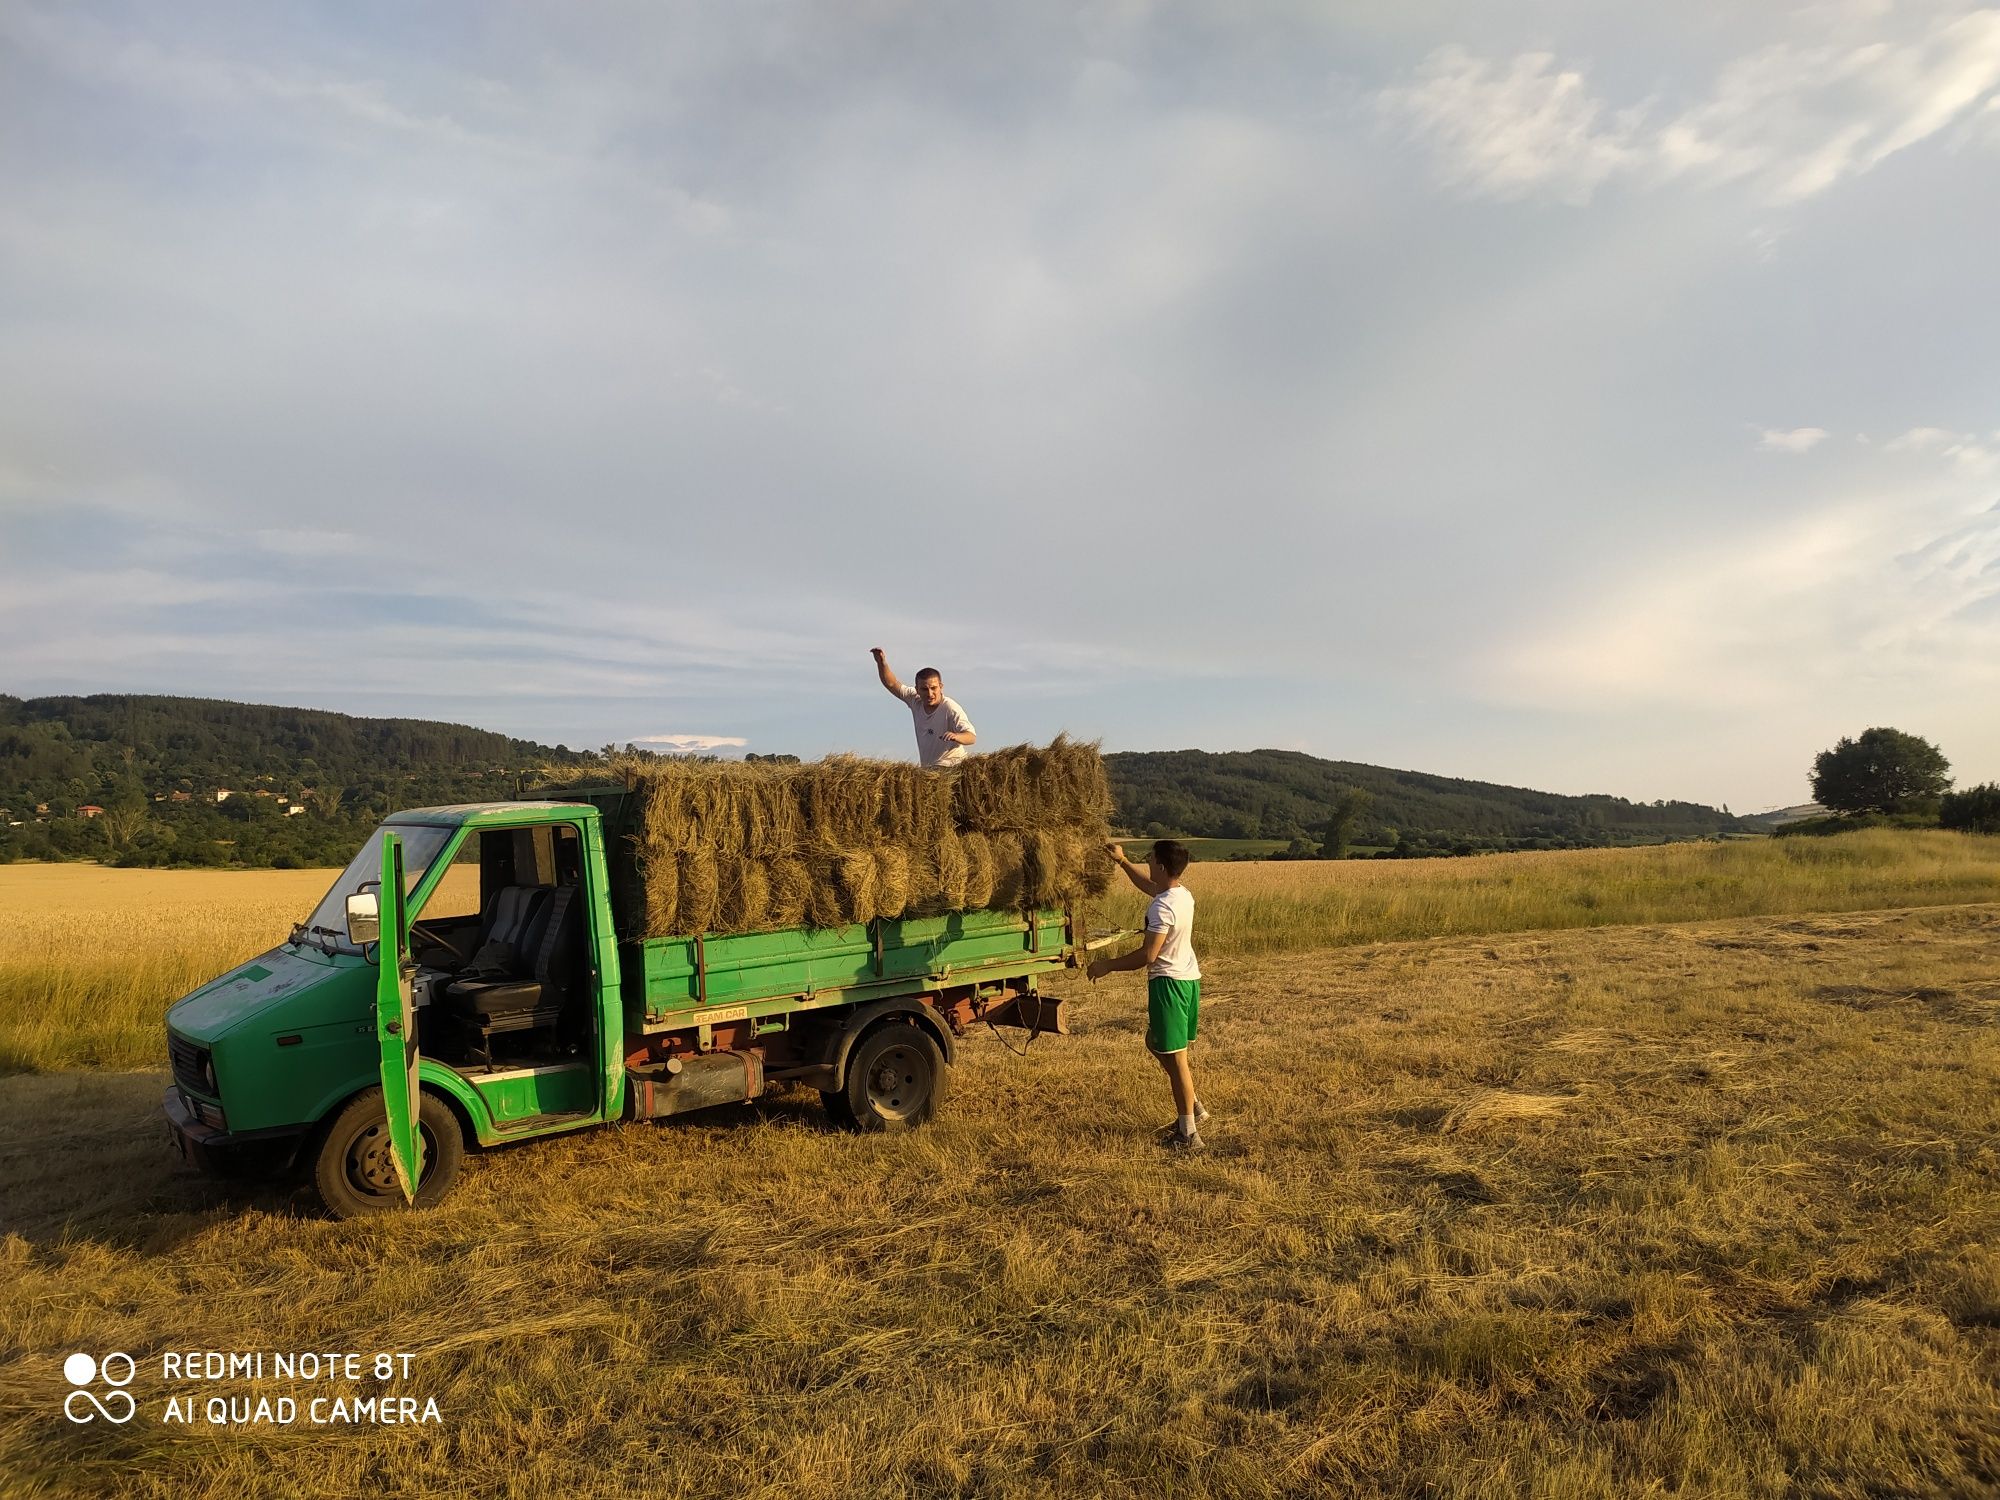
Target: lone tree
[(1884, 770), (1346, 810)]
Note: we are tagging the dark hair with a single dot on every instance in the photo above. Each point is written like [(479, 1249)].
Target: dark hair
[(924, 672), (1173, 857)]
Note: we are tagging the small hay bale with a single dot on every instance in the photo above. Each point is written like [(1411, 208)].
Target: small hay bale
[(1042, 872), (856, 876), (892, 880), (662, 883), (948, 859), (979, 870), (1010, 870), (745, 902), (700, 894), (842, 805), (791, 892), (823, 896)]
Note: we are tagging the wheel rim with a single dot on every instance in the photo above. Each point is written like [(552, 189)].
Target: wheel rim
[(371, 1164), (899, 1083)]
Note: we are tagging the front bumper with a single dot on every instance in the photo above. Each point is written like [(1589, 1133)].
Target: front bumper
[(218, 1153)]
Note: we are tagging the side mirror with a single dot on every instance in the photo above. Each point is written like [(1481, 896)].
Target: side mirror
[(364, 918)]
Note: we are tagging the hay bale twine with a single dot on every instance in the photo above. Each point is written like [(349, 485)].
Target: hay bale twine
[(855, 871), (791, 892), (892, 880), (979, 870), (700, 893)]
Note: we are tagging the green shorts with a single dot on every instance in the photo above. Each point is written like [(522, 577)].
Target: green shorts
[(1172, 1009)]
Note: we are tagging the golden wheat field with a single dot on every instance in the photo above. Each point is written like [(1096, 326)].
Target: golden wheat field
[(90, 957), (1664, 1172)]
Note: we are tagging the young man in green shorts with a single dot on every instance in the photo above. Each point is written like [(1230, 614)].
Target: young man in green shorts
[(1173, 979)]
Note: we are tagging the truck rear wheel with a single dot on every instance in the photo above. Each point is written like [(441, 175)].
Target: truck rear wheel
[(895, 1079), (355, 1173)]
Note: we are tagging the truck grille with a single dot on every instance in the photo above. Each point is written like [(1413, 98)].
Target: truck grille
[(190, 1065)]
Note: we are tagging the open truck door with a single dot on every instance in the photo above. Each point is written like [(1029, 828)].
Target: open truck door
[(396, 1021)]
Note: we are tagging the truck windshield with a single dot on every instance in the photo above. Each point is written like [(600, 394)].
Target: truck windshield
[(327, 926)]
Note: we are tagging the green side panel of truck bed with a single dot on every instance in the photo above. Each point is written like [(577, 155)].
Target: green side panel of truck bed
[(915, 955)]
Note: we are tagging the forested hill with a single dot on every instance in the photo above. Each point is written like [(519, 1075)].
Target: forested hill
[(1288, 795), (159, 780), (90, 745)]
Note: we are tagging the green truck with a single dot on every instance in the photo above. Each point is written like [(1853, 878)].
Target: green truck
[(477, 976)]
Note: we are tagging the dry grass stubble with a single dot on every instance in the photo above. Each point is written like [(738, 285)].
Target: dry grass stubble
[(1707, 1209)]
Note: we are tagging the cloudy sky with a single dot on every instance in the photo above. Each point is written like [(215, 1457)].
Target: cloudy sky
[(1599, 398)]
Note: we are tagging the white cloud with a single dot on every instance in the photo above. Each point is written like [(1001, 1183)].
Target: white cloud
[(1919, 440), (1513, 130), (683, 744), (1792, 440), (1791, 120), (1894, 590)]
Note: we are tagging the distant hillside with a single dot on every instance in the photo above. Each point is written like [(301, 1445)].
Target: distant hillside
[(1286, 794), (141, 780), (153, 768), (1778, 817)]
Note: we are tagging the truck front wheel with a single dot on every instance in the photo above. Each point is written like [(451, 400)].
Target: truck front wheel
[(355, 1173), (895, 1079)]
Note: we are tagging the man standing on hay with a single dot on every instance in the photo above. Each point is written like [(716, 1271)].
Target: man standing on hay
[(943, 731), (1173, 979)]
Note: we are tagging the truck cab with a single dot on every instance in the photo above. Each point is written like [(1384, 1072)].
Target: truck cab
[(491, 962)]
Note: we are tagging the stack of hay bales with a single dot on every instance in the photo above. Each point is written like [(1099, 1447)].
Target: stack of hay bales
[(746, 847)]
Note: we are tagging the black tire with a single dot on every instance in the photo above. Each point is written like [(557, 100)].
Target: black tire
[(354, 1172), (895, 1078)]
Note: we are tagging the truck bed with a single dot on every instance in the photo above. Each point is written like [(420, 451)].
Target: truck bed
[(673, 983)]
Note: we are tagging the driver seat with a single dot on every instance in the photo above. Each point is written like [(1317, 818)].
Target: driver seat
[(481, 1006)]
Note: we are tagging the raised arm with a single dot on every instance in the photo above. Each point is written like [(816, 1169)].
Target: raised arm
[(1139, 875), (889, 679)]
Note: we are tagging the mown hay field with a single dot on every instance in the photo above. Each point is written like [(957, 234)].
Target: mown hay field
[(1698, 1209), (90, 958)]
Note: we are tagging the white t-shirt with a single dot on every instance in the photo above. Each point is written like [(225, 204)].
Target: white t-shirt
[(933, 749), (1172, 912)]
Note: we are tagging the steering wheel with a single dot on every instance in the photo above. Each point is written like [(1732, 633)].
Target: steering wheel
[(418, 929)]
